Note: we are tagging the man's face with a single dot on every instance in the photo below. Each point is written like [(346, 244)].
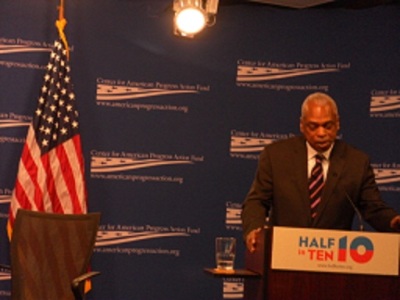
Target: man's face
[(319, 126)]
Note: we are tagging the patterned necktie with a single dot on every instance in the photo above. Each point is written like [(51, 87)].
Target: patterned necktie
[(316, 183)]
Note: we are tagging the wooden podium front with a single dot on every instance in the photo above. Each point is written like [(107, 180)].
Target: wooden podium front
[(276, 284)]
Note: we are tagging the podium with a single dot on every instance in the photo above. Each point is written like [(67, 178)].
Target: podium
[(281, 283)]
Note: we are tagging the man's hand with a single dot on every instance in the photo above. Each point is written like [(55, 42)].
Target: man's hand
[(251, 239), (395, 223)]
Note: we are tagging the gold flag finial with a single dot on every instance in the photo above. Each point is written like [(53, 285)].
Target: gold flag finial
[(60, 24)]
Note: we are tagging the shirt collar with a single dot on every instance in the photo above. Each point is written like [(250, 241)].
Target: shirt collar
[(311, 152)]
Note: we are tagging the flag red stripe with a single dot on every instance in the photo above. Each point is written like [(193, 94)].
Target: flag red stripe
[(69, 178), (28, 176), (79, 172), (50, 183), (21, 197)]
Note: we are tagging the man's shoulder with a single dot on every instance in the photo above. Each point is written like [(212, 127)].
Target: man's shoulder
[(285, 146), (289, 142), (348, 149)]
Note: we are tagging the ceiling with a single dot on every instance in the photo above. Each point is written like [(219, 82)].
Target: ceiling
[(294, 3), (300, 4)]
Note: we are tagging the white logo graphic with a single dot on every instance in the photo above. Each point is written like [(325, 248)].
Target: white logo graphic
[(233, 288), (245, 73), (4, 199), (107, 165), (233, 220), (241, 144), (13, 123), (5, 276), (9, 49), (387, 176), (384, 176), (13, 120), (233, 216), (248, 145), (106, 238), (10, 121), (385, 104), (107, 92)]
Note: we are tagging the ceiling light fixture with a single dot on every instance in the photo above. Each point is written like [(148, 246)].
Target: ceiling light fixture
[(191, 16)]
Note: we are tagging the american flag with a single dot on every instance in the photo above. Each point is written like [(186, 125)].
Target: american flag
[(51, 171)]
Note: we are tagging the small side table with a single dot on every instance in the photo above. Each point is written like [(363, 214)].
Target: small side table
[(233, 273)]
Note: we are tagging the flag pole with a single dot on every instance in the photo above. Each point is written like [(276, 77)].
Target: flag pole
[(60, 24)]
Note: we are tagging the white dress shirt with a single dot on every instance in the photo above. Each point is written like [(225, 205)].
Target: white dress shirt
[(311, 153)]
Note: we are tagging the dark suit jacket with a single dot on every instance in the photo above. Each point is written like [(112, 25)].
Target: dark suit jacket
[(280, 183)]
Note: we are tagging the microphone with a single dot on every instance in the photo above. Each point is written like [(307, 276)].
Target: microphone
[(358, 213)]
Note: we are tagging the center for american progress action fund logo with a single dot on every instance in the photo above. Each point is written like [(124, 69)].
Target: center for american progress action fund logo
[(385, 103), (127, 94), (118, 239), (114, 165), (9, 122), (387, 176), (258, 74), (248, 145)]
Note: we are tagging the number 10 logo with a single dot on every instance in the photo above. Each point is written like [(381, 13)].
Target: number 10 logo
[(360, 249)]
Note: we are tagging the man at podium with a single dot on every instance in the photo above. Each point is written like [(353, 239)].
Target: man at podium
[(314, 180)]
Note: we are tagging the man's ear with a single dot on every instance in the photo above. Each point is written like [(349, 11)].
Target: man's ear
[(301, 126)]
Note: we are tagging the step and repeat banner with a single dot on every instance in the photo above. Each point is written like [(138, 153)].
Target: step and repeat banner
[(172, 128)]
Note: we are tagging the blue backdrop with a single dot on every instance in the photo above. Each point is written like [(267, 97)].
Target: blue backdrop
[(171, 127)]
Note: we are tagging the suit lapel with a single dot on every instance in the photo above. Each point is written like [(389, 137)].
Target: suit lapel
[(299, 178)]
